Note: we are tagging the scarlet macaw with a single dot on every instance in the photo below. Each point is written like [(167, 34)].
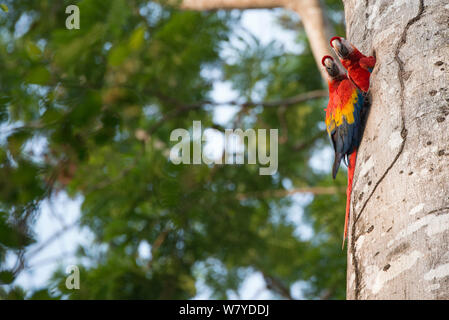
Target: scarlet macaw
[(358, 65), (343, 122)]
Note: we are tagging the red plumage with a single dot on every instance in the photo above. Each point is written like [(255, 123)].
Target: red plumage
[(351, 169), (343, 122), (358, 65)]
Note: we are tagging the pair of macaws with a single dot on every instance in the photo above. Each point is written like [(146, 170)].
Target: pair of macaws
[(347, 94)]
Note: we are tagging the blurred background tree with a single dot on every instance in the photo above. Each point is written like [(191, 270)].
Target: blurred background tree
[(89, 113)]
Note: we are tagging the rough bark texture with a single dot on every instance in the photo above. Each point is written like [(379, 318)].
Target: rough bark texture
[(317, 28), (399, 228)]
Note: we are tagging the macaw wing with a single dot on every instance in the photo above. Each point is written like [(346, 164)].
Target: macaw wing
[(344, 122), (349, 112), (330, 120)]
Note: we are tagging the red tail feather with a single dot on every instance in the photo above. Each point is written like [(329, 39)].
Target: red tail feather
[(351, 168)]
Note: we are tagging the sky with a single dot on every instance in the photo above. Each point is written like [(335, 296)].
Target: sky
[(59, 216)]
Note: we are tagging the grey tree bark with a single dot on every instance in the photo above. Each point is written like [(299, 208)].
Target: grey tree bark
[(399, 228)]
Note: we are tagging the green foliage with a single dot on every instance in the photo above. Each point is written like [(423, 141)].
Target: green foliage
[(95, 98)]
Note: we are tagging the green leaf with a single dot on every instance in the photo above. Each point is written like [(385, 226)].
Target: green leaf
[(33, 51), (4, 7), (38, 75), (117, 15), (3, 112), (16, 141), (169, 193), (117, 55), (137, 38), (11, 237), (6, 277), (42, 294)]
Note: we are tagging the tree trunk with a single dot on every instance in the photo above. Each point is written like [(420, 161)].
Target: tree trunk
[(399, 228)]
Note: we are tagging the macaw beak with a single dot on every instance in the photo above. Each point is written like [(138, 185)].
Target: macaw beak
[(331, 67), (328, 63), (341, 49)]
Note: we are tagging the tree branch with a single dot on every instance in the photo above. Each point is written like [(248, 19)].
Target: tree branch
[(284, 193), (304, 145), (51, 239), (316, 94), (276, 285)]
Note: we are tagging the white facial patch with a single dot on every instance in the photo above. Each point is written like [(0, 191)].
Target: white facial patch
[(336, 44), (328, 62)]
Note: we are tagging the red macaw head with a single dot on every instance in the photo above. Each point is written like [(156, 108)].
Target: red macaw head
[(342, 47), (332, 68)]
